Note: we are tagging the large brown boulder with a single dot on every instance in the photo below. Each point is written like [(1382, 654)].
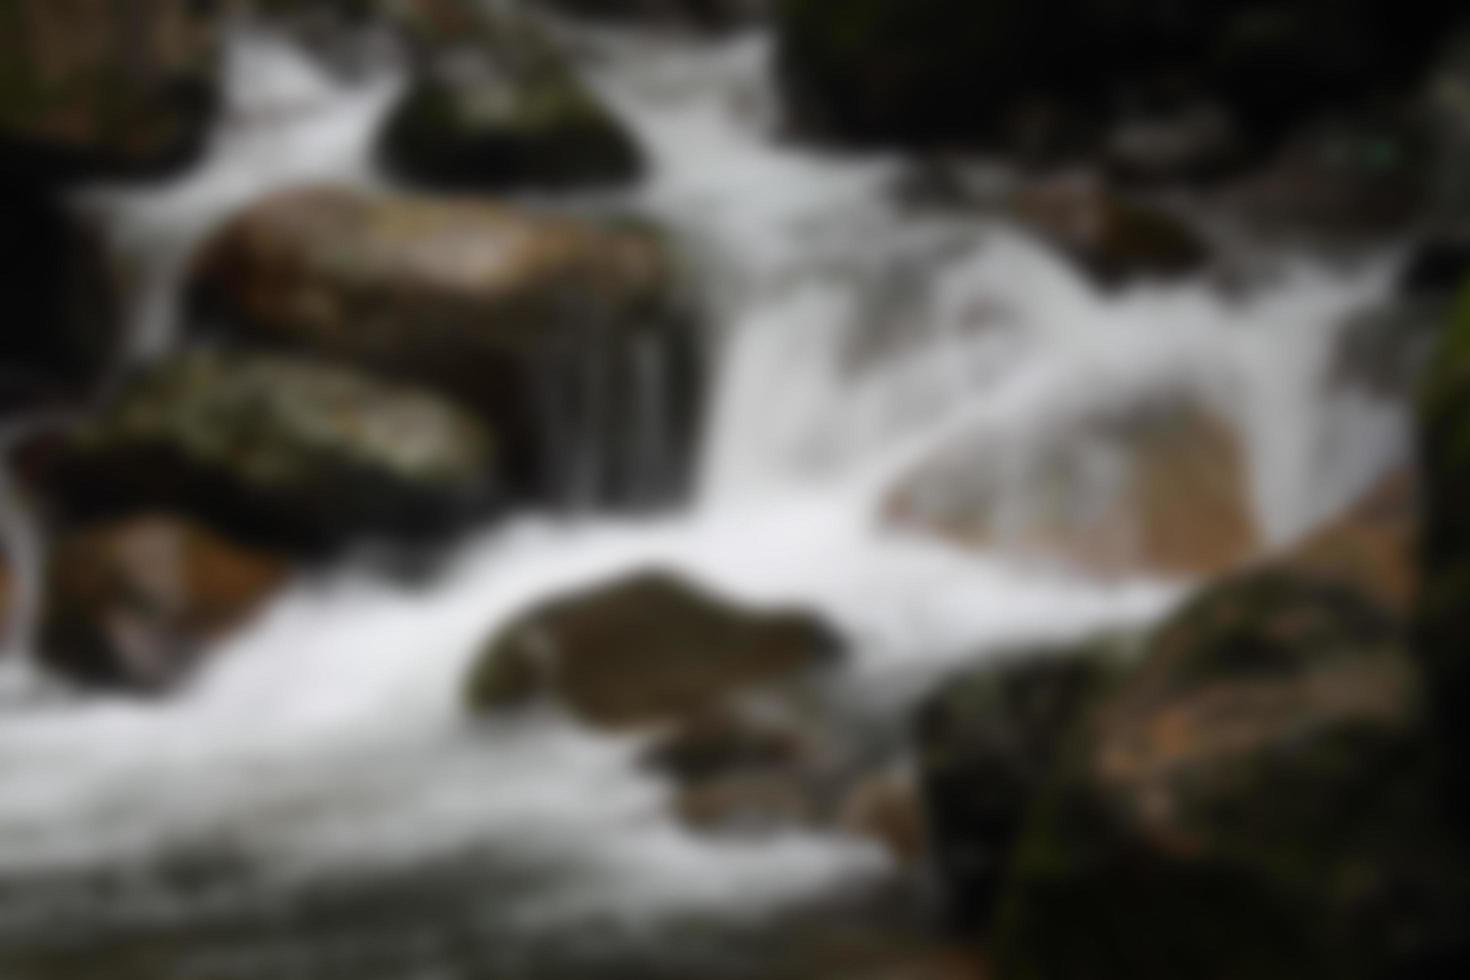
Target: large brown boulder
[(1258, 798), (1153, 485), (570, 337), (103, 89), (644, 650), (134, 603), (280, 449)]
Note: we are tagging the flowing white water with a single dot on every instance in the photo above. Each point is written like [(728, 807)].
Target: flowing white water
[(850, 336)]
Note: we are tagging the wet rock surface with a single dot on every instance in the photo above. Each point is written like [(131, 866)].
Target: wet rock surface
[(571, 338), (494, 106), (642, 651), (96, 89), (281, 450), (1257, 798), (135, 603), (1155, 484)]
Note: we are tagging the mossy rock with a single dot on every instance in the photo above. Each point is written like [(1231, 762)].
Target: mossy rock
[(574, 339), (280, 449), (1444, 622), (988, 740), (644, 650), (104, 90), (1258, 798), (494, 106)]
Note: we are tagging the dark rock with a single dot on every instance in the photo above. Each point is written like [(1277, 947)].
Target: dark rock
[(134, 604), (279, 449), (988, 742), (58, 293), (572, 338), (1257, 799), (644, 650), (99, 89), (1437, 268), (1113, 239), (997, 72), (1443, 638), (494, 106), (703, 14)]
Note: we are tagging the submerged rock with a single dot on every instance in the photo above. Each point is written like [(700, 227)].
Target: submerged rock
[(1257, 798), (645, 650), (572, 338), (493, 106), (103, 89), (280, 449), (1113, 239), (134, 603), (1155, 485)]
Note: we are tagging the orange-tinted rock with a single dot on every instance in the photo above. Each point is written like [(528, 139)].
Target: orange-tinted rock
[(134, 603), (1373, 548), (1158, 485)]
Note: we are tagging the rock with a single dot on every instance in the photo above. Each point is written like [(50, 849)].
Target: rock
[(1151, 485), (279, 449), (1256, 799), (572, 339), (644, 650), (493, 106), (988, 741), (59, 293), (1014, 75), (1373, 549), (134, 603), (703, 14), (887, 808), (98, 89), (1339, 181), (1114, 240), (1443, 639)]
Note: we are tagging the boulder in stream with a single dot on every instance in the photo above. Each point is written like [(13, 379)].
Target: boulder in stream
[(1258, 798), (493, 105), (645, 650), (91, 89), (279, 449), (1154, 484), (571, 337), (135, 602)]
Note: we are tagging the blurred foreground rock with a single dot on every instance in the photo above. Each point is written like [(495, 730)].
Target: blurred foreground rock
[(97, 89), (1258, 799), (645, 650), (1153, 485), (704, 14), (989, 740), (134, 603), (494, 105), (278, 449), (571, 338)]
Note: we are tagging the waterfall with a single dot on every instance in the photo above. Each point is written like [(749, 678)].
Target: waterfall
[(850, 338)]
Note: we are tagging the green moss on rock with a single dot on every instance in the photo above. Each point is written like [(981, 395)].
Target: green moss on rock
[(280, 448)]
